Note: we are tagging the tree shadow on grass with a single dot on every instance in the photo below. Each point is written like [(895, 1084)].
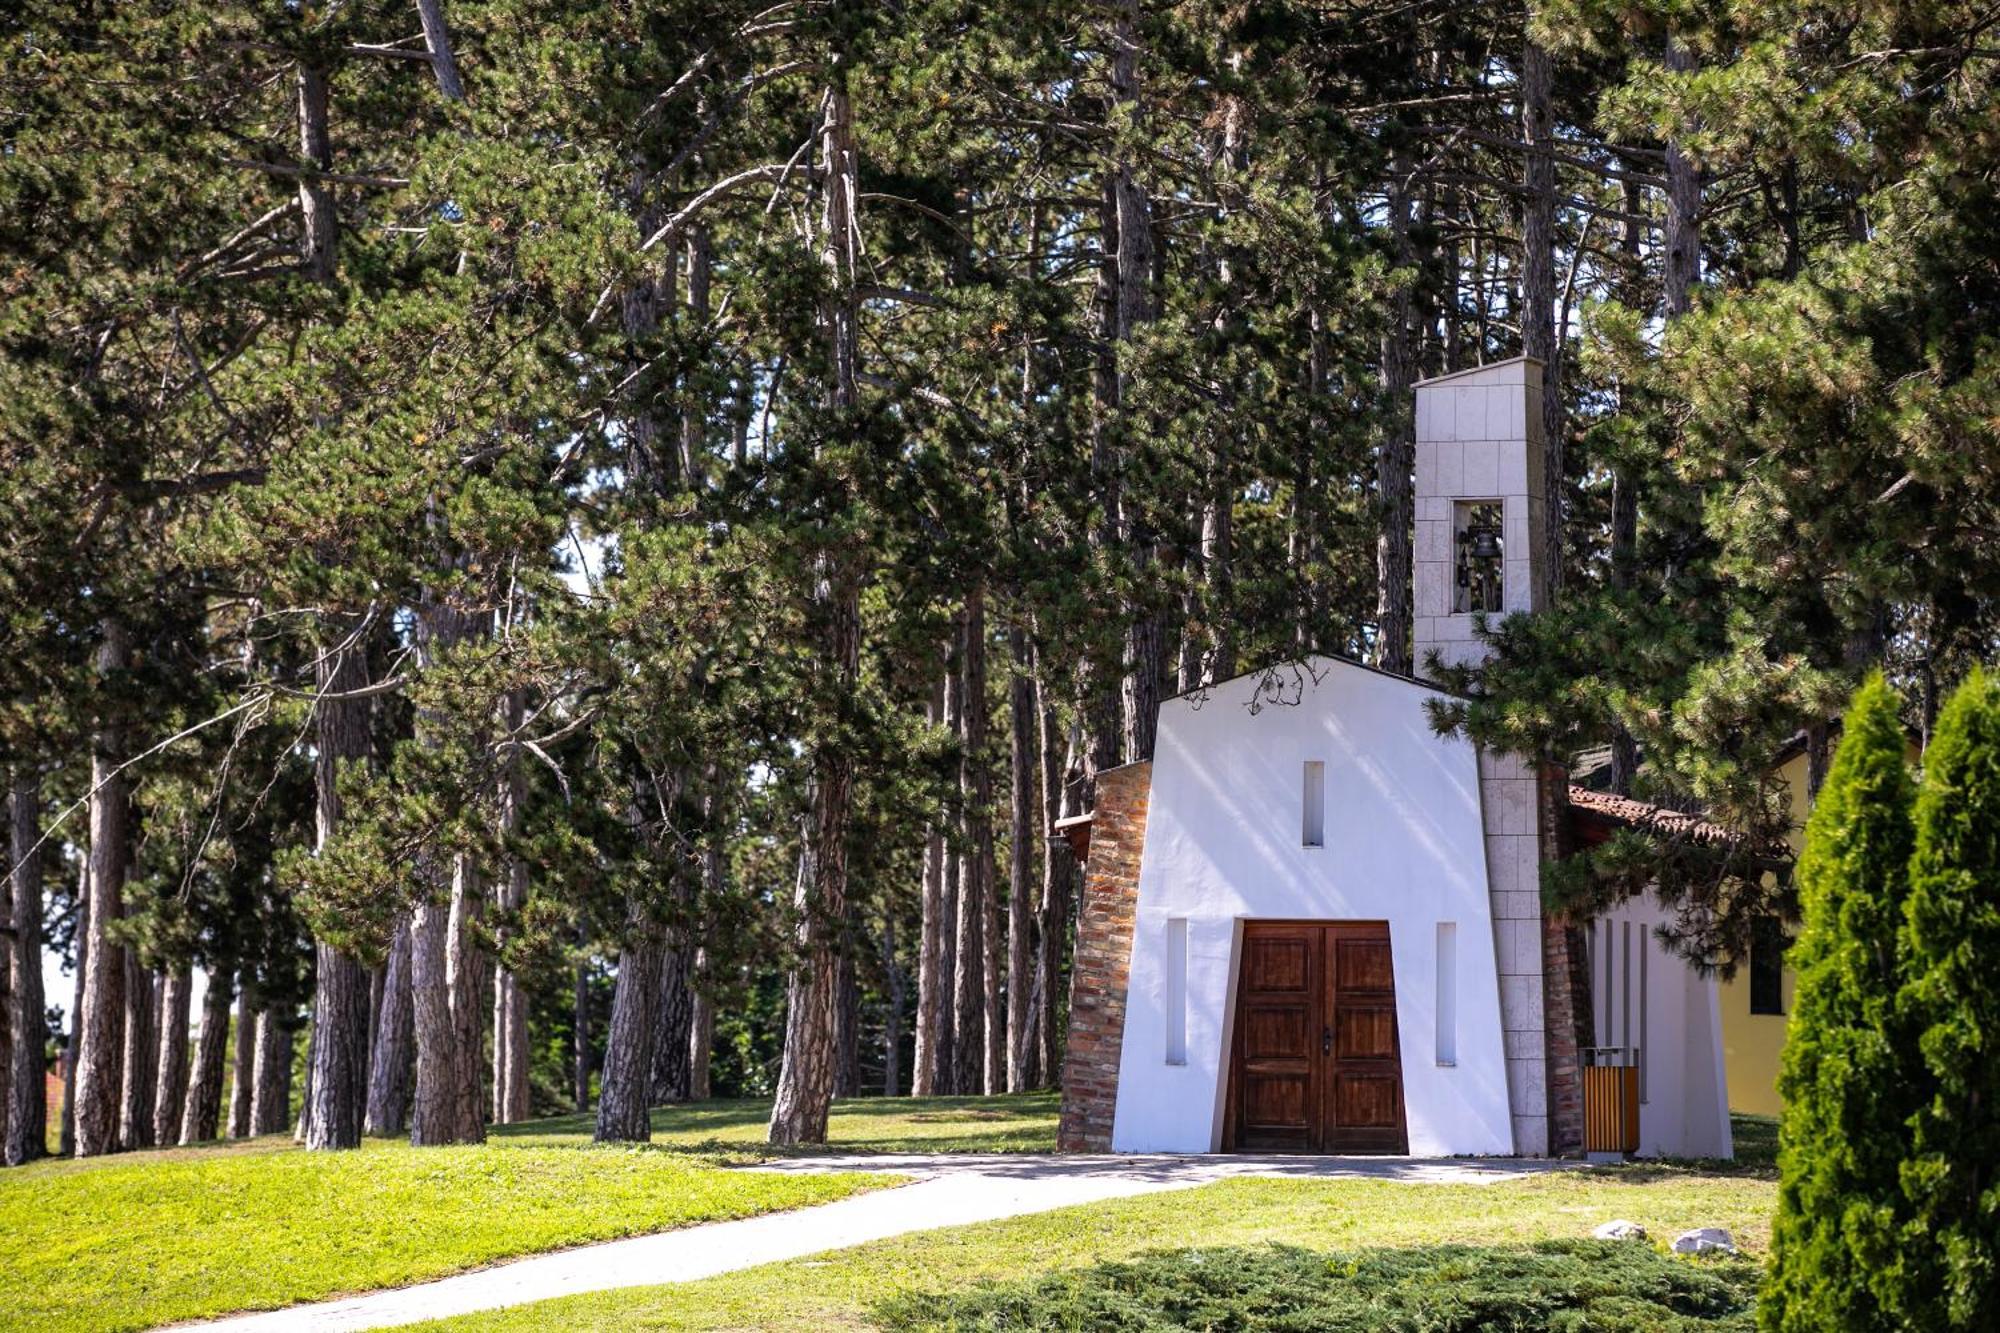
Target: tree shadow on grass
[(734, 1129), (1755, 1138), (1607, 1286)]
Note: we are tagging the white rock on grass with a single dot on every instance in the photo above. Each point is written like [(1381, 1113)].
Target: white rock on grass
[(1704, 1240), (1620, 1230)]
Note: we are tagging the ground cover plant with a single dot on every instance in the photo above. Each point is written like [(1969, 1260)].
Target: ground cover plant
[(1605, 1286)]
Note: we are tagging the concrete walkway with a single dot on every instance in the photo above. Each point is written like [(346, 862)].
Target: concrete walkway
[(947, 1191)]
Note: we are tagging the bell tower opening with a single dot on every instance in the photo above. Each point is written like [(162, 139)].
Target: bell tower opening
[(1479, 548)]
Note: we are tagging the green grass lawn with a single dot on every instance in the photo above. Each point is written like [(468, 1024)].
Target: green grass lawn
[(904, 1279), (147, 1238), (1023, 1122)]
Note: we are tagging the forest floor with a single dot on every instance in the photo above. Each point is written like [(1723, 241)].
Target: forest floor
[(1121, 1264), (142, 1239)]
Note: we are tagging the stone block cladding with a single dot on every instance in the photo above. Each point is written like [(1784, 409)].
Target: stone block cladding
[(1102, 967), (1479, 440), (1509, 799)]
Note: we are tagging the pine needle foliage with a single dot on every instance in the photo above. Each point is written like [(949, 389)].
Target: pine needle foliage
[(1845, 1091)]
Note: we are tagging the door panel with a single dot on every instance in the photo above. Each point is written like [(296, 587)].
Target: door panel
[(1279, 963), (1364, 1087), (1362, 963), (1365, 1101), (1274, 1032), (1315, 1065), (1276, 1094), (1365, 1033)]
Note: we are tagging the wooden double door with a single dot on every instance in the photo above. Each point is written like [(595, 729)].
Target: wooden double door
[(1315, 1065)]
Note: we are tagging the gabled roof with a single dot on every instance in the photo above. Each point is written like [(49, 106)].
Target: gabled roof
[(1340, 659)]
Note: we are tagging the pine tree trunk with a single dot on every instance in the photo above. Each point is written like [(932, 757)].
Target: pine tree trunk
[(510, 1000), (580, 1033), (337, 1081), (304, 1120), (673, 1023), (805, 1080), (100, 1017), (969, 982), (895, 984), (392, 1063), (1146, 643), (993, 1014), (510, 1048), (1683, 229), (930, 969), (701, 1031), (141, 1054), (1060, 762), (319, 231), (1624, 479), (846, 1029), (1539, 334), (337, 1076), (995, 1000), (202, 1111), (271, 1081), (243, 1079), (622, 1096), (72, 1043), (1024, 738), (446, 1106), (930, 1064), (176, 998), (25, 1114), (1104, 700), (1395, 456), (437, 44), (955, 861), (447, 969), (1301, 527)]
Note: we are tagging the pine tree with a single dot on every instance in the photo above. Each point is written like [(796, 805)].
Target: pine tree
[(1844, 1085), (1944, 1272)]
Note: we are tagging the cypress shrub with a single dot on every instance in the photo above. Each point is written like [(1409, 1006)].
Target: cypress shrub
[(1944, 1273), (1845, 1094)]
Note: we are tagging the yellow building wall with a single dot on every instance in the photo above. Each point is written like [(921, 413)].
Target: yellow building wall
[(1753, 1044)]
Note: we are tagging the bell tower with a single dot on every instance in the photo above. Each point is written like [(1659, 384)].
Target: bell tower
[(1479, 505), (1479, 549)]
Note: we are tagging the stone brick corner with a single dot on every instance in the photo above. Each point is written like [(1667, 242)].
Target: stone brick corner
[(1102, 968)]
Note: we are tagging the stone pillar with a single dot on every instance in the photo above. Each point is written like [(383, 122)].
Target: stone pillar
[(1102, 967), (1479, 443), (1509, 800)]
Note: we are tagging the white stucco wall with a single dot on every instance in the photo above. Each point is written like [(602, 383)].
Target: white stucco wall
[(1645, 997), (1223, 844)]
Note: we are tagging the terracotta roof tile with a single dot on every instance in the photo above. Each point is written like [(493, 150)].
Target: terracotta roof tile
[(1623, 810)]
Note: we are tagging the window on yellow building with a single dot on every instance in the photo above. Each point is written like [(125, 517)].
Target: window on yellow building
[(1767, 966)]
